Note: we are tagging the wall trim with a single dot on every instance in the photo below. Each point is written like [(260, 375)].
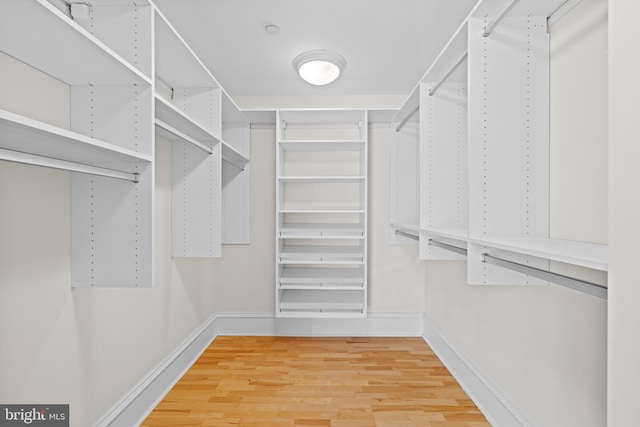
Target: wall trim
[(499, 410), (136, 405), (375, 325)]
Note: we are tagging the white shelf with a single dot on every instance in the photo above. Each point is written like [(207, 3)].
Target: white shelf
[(322, 278), (454, 234), (590, 255), (321, 211), (330, 300), (167, 113), (321, 254), (329, 275), (318, 230), (30, 136), (319, 116), (320, 179), (40, 35), (176, 64), (321, 145), (233, 156)]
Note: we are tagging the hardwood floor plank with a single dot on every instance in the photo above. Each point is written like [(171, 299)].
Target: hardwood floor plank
[(303, 382)]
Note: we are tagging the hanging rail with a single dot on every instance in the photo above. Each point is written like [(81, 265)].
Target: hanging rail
[(488, 29), (448, 247), (31, 159), (407, 117), (560, 279), (405, 234), (435, 87)]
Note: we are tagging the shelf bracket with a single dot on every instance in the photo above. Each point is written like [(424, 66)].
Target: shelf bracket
[(560, 279)]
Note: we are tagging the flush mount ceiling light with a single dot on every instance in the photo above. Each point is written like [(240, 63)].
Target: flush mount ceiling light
[(319, 67)]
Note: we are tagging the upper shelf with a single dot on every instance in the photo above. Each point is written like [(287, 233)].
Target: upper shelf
[(60, 47), (19, 133), (172, 116), (590, 255), (322, 145), (176, 64), (327, 116)]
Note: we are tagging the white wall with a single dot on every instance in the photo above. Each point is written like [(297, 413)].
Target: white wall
[(545, 347), (624, 212), (396, 276), (84, 347)]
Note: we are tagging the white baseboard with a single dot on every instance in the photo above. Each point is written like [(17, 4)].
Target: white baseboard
[(140, 401), (375, 325), (498, 410)]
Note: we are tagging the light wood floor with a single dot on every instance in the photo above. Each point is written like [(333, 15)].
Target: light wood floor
[(339, 382)]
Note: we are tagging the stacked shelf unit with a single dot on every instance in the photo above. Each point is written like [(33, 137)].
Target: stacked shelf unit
[(122, 93), (321, 218), (106, 60), (484, 149), (195, 114)]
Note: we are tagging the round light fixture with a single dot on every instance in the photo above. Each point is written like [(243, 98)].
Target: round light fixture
[(319, 67)]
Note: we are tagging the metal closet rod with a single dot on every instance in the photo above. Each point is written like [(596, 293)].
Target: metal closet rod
[(488, 29), (435, 87), (32, 159), (231, 162), (448, 247), (405, 234), (560, 279)]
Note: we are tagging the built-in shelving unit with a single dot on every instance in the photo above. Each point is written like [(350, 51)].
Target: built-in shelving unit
[(482, 115), (129, 72), (109, 146), (321, 200), (192, 111)]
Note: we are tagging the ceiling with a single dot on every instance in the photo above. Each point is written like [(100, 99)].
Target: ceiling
[(388, 44)]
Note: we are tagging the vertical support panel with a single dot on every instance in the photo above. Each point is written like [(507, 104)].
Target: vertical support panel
[(202, 105), (196, 201), (404, 167), (236, 188), (443, 152), (508, 139), (125, 29), (111, 230), (112, 220)]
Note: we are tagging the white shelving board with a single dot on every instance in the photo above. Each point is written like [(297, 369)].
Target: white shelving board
[(589, 255), (321, 237), (19, 133), (68, 52)]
